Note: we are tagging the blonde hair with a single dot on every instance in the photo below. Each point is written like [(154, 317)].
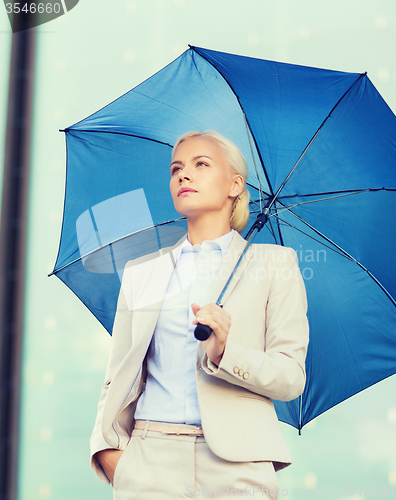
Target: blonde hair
[(237, 164)]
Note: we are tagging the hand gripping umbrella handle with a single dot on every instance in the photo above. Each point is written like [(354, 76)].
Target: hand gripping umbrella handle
[(203, 332)]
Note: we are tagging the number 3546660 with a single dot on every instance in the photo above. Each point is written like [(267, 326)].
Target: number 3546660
[(32, 8)]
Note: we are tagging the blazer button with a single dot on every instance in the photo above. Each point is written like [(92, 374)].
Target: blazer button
[(246, 375), (236, 370), (240, 373)]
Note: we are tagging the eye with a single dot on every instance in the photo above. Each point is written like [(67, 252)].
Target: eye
[(202, 164), (175, 169)]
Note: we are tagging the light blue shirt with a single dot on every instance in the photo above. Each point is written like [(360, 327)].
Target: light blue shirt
[(171, 392)]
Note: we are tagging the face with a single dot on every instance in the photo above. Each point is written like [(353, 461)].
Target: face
[(201, 181)]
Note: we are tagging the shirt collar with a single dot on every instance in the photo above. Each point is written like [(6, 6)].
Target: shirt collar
[(222, 243)]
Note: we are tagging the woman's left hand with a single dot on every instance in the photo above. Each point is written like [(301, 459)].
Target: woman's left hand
[(219, 321)]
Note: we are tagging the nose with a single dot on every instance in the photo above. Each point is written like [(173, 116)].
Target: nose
[(184, 175)]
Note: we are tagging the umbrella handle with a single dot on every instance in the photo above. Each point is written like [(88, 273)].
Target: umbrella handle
[(202, 332)]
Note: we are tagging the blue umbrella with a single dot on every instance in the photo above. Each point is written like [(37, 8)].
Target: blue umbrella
[(321, 149)]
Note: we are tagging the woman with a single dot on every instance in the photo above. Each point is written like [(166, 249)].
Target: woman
[(200, 414)]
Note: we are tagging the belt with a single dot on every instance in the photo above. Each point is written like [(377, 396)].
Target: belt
[(164, 428)]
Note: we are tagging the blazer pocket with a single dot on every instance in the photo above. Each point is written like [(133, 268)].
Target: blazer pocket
[(255, 397), (247, 396), (118, 468)]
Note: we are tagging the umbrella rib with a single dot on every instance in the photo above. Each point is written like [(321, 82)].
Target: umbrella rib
[(272, 231), (299, 414), (115, 241), (260, 188), (311, 141), (255, 203), (322, 199), (342, 191), (338, 194), (310, 237), (96, 131), (347, 255), (257, 189)]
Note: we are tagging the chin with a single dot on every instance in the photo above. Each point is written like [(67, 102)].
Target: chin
[(184, 207)]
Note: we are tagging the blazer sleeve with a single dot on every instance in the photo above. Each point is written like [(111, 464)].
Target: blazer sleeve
[(120, 345), (278, 371)]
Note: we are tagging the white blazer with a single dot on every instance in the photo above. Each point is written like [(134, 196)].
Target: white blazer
[(264, 357)]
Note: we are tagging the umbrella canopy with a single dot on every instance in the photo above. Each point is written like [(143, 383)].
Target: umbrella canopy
[(320, 144)]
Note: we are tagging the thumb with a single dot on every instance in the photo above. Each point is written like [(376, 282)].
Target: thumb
[(195, 308)]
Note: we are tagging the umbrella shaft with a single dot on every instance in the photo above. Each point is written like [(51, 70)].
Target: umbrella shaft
[(254, 230)]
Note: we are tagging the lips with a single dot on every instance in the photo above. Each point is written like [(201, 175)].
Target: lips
[(185, 190)]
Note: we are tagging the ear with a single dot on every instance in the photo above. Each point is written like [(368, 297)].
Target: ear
[(237, 186)]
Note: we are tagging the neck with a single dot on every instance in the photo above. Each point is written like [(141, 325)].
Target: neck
[(205, 228)]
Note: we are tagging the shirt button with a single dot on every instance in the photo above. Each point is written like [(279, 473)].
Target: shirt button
[(236, 370), (240, 373), (246, 375)]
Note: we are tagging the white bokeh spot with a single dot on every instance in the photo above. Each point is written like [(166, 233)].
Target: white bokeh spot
[(383, 74), (131, 7), (392, 477), (50, 323), (253, 40), (304, 33), (44, 491), (310, 480), (381, 22), (178, 49), (46, 434), (130, 56), (60, 66), (391, 415), (48, 378)]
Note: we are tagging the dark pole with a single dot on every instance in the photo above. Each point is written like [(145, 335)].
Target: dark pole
[(13, 250)]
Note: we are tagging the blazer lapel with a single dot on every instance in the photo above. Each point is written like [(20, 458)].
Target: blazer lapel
[(152, 273), (155, 283)]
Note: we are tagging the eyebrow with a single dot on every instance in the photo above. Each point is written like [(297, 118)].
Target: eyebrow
[(201, 156), (177, 162)]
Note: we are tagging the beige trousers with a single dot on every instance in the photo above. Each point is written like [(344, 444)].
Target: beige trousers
[(156, 466)]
